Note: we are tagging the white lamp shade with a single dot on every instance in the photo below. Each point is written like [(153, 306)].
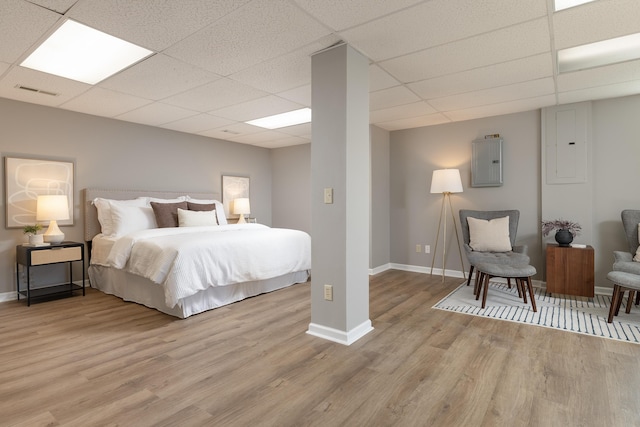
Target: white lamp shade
[(446, 181), (241, 206), (52, 207)]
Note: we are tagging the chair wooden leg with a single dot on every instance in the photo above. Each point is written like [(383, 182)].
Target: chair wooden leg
[(509, 282), (486, 289), (478, 285), (630, 301), (470, 273), (621, 291), (614, 302), (522, 291), (638, 298), (533, 301)]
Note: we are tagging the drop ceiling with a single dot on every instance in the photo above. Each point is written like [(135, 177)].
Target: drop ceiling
[(220, 63)]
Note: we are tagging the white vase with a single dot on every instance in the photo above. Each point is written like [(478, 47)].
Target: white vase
[(35, 239)]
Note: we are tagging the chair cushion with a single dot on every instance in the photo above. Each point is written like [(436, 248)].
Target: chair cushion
[(627, 267), (489, 235), (624, 279), (498, 270), (637, 256), (501, 258)]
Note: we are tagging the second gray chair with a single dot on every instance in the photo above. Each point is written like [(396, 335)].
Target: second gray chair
[(516, 256), (623, 261)]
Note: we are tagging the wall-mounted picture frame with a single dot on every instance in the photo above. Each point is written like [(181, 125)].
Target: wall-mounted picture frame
[(233, 187), (27, 178)]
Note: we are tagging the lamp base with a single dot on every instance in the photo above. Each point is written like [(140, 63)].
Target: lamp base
[(241, 220), (53, 233)]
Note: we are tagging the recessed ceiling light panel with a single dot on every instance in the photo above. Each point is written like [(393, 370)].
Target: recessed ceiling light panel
[(277, 121), (605, 52), (78, 52), (566, 4)]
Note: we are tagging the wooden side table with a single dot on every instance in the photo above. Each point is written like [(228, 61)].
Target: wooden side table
[(570, 270)]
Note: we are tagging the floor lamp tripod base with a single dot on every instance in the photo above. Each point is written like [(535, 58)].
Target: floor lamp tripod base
[(446, 197)]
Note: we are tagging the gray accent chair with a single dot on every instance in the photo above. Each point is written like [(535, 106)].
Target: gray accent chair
[(623, 261), (516, 257)]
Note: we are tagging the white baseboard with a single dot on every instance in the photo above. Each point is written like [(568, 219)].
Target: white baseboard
[(341, 337), (8, 296)]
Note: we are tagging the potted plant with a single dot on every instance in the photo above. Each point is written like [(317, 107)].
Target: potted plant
[(32, 232), (565, 230)]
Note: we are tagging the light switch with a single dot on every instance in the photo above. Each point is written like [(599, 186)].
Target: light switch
[(328, 195)]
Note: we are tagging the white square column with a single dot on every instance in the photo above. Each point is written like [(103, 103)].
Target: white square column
[(340, 196)]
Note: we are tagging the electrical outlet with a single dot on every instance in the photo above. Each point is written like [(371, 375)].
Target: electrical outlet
[(328, 292), (427, 249), (418, 248)]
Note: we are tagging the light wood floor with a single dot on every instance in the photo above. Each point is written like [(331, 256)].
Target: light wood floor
[(96, 360)]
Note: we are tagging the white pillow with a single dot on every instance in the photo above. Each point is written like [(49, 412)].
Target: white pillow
[(637, 257), (222, 218), (104, 211), (196, 218), (127, 219), (489, 235)]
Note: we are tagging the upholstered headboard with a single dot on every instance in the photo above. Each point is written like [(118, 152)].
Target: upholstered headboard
[(91, 224)]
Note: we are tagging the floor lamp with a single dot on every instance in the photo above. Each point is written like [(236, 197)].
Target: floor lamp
[(446, 181)]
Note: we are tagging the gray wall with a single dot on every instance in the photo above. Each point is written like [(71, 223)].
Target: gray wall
[(380, 234), (116, 154), (416, 153), (291, 187)]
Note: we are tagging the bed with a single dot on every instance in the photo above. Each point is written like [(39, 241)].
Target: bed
[(188, 269)]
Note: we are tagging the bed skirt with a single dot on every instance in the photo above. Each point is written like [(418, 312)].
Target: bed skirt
[(131, 287)]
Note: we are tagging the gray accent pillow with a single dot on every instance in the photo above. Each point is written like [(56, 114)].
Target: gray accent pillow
[(201, 206)]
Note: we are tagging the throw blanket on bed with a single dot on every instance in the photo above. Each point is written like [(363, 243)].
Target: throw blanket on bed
[(189, 259)]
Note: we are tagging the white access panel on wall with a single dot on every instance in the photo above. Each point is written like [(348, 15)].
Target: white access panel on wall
[(566, 144), (486, 162)]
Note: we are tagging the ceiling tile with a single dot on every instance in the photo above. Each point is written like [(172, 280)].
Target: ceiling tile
[(520, 70), (248, 36), (502, 108), (401, 111), (158, 77), (414, 122), (19, 76), (600, 92), (600, 76), (303, 130), (60, 6), (218, 94), (231, 131), (301, 95), (284, 142), (340, 14), (437, 22), (599, 20), (155, 25), (391, 97), (198, 123), (22, 24), (379, 79), (508, 44), (496, 95), (156, 114), (104, 102), (257, 108)]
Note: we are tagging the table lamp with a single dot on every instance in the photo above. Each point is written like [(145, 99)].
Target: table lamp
[(241, 207), (52, 208)]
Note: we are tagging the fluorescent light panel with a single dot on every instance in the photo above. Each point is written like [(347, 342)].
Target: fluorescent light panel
[(606, 52), (566, 4), (277, 121), (81, 53)]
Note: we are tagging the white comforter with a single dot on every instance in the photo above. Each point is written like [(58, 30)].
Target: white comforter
[(189, 259)]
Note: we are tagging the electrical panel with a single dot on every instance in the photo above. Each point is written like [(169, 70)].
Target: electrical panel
[(486, 162)]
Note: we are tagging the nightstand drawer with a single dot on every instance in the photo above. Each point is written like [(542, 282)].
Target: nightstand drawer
[(50, 256)]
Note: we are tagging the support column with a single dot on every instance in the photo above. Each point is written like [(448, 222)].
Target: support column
[(340, 164)]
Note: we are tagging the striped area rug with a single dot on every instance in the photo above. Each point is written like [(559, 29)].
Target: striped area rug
[(566, 313)]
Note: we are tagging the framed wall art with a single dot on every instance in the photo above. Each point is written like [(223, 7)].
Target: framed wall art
[(233, 187), (27, 178)]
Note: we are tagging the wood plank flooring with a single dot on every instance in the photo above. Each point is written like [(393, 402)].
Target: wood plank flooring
[(96, 360)]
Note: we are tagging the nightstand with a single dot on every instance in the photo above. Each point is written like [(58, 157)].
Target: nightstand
[(56, 253), (570, 271)]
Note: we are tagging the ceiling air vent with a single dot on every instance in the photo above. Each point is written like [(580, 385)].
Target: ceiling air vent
[(32, 89), (230, 132)]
